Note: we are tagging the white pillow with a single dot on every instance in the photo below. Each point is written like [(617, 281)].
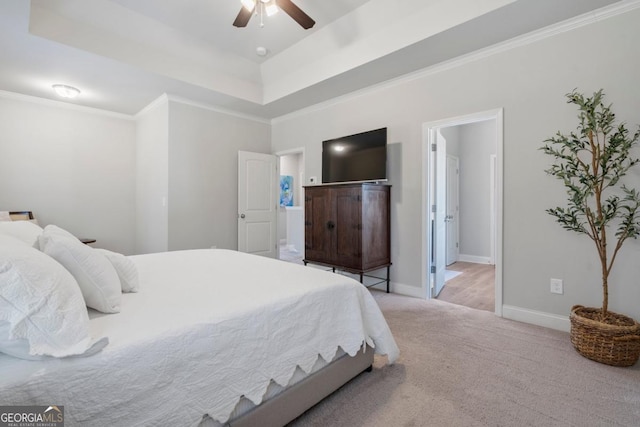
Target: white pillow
[(126, 269), (54, 229), (26, 231), (94, 273), (42, 312)]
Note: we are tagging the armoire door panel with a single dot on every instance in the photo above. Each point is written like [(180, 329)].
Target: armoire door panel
[(348, 229), (317, 236), (375, 236)]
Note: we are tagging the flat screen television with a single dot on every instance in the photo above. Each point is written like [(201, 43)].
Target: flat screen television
[(355, 158)]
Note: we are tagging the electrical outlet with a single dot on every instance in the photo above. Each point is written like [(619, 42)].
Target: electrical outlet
[(556, 286)]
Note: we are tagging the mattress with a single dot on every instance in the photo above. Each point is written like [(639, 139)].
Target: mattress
[(207, 329)]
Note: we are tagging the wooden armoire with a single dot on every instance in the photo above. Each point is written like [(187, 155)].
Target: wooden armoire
[(347, 226)]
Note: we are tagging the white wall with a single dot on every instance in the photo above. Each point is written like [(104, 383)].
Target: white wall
[(477, 144), (152, 178), (203, 174), (73, 167), (529, 82)]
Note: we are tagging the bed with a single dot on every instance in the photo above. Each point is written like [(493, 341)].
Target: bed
[(213, 337)]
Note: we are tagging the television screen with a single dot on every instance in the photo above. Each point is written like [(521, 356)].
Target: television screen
[(355, 158)]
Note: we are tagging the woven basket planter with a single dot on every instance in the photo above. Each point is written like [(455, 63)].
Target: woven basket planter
[(616, 344)]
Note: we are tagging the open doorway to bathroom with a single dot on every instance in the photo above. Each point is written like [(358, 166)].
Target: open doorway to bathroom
[(291, 206)]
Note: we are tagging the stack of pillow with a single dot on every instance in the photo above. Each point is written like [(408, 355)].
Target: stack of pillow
[(48, 278)]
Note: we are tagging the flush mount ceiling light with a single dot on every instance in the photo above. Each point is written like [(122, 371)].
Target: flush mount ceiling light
[(270, 7), (66, 91)]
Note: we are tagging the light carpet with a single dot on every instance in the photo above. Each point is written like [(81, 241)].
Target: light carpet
[(464, 367)]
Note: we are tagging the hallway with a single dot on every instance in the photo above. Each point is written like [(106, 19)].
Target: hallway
[(474, 288)]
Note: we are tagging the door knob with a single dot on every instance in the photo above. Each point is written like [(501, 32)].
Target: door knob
[(242, 216)]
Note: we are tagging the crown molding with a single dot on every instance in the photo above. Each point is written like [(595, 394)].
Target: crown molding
[(66, 105), (585, 19), (204, 106), (159, 101)]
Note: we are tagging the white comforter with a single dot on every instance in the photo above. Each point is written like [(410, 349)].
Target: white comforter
[(207, 327)]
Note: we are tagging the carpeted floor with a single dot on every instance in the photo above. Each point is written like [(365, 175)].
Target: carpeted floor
[(465, 367)]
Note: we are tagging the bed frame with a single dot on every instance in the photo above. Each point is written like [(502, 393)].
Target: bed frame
[(295, 400)]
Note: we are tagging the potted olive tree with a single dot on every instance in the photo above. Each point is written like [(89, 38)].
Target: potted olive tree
[(591, 162)]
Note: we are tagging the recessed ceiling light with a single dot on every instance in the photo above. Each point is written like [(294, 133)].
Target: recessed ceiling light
[(66, 91), (261, 51)]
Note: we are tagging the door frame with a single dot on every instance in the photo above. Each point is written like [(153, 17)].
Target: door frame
[(429, 130), (278, 154)]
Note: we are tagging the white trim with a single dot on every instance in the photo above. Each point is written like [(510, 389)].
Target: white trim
[(540, 318), (161, 100), (61, 104), (220, 110), (425, 275), (400, 289), (499, 204), (428, 132), (474, 259), (492, 207), (299, 150), (585, 19)]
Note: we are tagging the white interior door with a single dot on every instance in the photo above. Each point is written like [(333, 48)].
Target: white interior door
[(439, 213), (453, 168), (257, 203)]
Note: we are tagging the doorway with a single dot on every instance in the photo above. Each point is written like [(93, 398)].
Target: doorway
[(291, 205), (460, 236)]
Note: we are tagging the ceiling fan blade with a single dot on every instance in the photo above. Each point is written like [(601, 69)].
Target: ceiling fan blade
[(296, 13), (243, 18)]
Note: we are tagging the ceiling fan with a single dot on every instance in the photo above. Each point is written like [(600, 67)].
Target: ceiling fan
[(269, 7)]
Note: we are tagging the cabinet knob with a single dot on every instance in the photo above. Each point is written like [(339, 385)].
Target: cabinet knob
[(331, 225)]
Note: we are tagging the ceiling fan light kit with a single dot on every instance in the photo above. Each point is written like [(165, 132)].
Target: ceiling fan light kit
[(249, 5), (270, 7)]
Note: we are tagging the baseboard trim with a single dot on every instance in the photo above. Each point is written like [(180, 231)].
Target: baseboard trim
[(401, 289), (540, 318), (475, 259)]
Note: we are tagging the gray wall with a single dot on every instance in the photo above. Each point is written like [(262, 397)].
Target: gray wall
[(529, 82), (452, 136), (477, 144), (72, 167), (203, 174), (152, 178)]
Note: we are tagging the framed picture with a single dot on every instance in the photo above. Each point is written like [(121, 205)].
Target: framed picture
[(286, 190)]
